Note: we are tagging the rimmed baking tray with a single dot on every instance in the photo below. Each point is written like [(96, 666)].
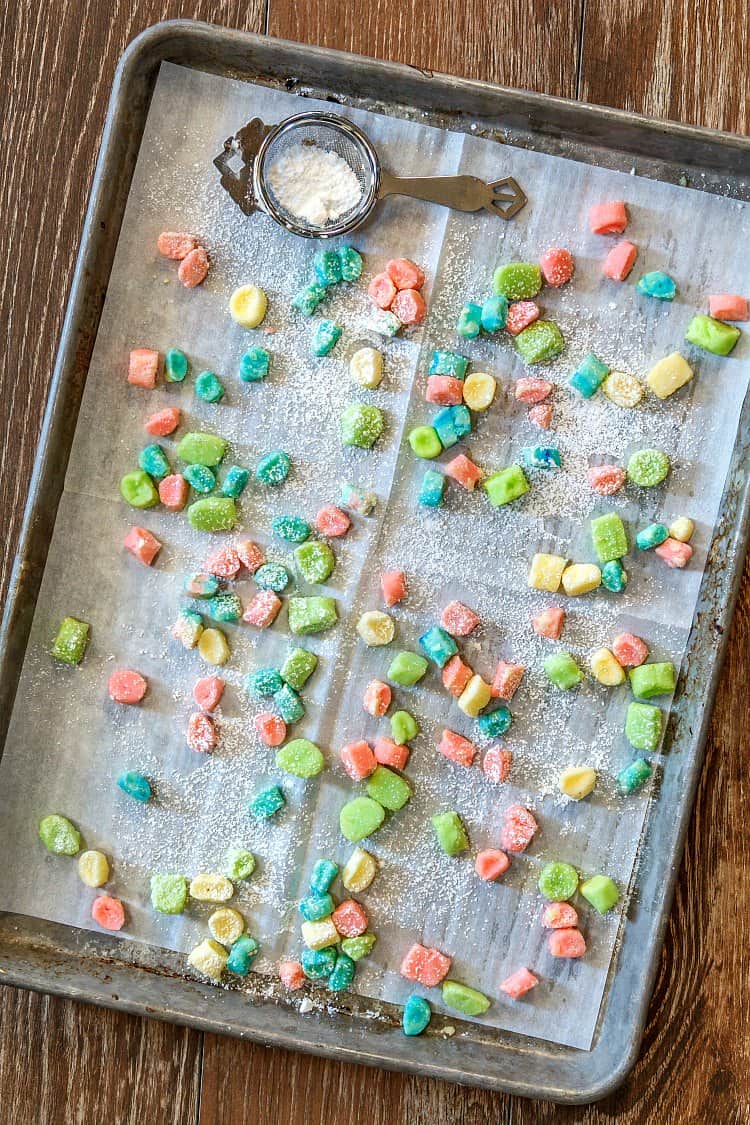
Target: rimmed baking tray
[(59, 959)]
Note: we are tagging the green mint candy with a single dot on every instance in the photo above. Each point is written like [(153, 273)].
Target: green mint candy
[(235, 482), (407, 668), (241, 955), (558, 881), (254, 365), (416, 1015), (202, 449), (239, 863), (153, 460), (351, 263), (404, 727), (59, 835), (200, 478), (601, 892), (653, 679), (308, 299), (327, 267), (389, 789), (450, 832), (71, 641), (540, 342), (648, 467), (325, 338), (358, 947), (563, 671), (634, 775), (643, 726), (274, 468), (138, 490), (425, 442), (712, 335), (266, 803), (272, 576), (315, 562), (263, 682), (518, 281), (300, 758), (213, 513), (298, 667), (288, 704), (507, 485), (169, 893), (609, 538), (360, 818), (136, 785), (311, 615), (463, 999), (175, 365), (292, 529), (361, 425), (208, 387), (343, 973)]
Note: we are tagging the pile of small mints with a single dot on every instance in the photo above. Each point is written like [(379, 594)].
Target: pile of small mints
[(396, 294)]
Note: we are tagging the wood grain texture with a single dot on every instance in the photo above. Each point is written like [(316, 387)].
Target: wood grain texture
[(61, 1061)]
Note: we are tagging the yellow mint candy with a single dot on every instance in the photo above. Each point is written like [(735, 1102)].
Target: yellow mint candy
[(366, 368), (682, 529), (581, 578), (211, 888), (319, 935), (479, 390), (93, 868), (213, 647), (669, 375), (577, 781), (359, 871), (475, 696), (226, 925), (546, 571), (606, 669), (376, 628), (623, 389), (209, 958), (248, 305)]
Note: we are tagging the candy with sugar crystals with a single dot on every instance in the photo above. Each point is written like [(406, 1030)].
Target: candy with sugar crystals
[(289, 705), (729, 306), (675, 554), (292, 975), (432, 489), (520, 315), (475, 696), (651, 536), (390, 753), (226, 925), (549, 623), (519, 828), (589, 376), (458, 620), (71, 641), (457, 748), (175, 366), (271, 729), (629, 650), (495, 723), (517, 280), (300, 758), (425, 965), (138, 489), (557, 266), (682, 529), (169, 893), (566, 942), (605, 480), (241, 955), (581, 578), (201, 735), (416, 1015), (266, 803), (332, 522), (350, 918), (614, 577), (208, 387), (193, 268), (359, 871), (59, 835), (494, 313), (126, 686), (541, 457), (438, 645), (546, 571), (273, 468), (506, 485), (451, 424), (376, 628), (388, 789), (263, 609), (648, 680), (248, 305), (93, 868), (669, 374), (648, 467), (358, 760), (202, 449), (315, 561), (634, 775), (469, 321), (297, 668), (540, 342), (558, 881), (142, 544), (163, 422), (496, 764), (176, 244), (173, 492), (608, 537), (449, 363), (188, 628), (360, 818), (559, 916), (325, 337), (479, 390), (366, 367), (444, 390), (200, 478), (562, 670), (491, 864), (143, 367), (643, 725), (393, 586), (254, 365), (235, 482), (213, 513), (456, 676), (450, 834), (463, 470), (541, 415), (213, 647), (623, 389), (507, 680), (531, 389), (108, 912), (361, 424), (606, 669), (311, 615)]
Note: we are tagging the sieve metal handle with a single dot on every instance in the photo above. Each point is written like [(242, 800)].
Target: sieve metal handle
[(462, 193)]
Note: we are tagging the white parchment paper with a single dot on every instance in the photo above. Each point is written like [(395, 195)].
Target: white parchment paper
[(67, 742)]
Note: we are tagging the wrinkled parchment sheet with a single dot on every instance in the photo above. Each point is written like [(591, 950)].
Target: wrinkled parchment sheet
[(67, 742)]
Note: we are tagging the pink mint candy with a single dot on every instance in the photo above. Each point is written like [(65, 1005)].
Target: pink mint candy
[(629, 651), (251, 556), (332, 522), (224, 562), (620, 261), (549, 623), (497, 763), (491, 864), (519, 829), (520, 315), (608, 218), (444, 390), (173, 492), (142, 544), (456, 676), (393, 585), (358, 760), (566, 943), (507, 680), (458, 620), (390, 753), (457, 748), (606, 479), (463, 470), (208, 691), (559, 916), (675, 554), (263, 610), (377, 698), (541, 415), (729, 306), (424, 965), (292, 975), (201, 733), (557, 266), (531, 389), (519, 983)]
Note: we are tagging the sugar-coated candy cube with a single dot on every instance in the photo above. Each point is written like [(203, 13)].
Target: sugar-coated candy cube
[(506, 485), (273, 468), (520, 315), (675, 554), (202, 449), (608, 537), (450, 833), (425, 442), (463, 470), (404, 273), (648, 680), (451, 424), (201, 585), (360, 818), (126, 686), (728, 306), (163, 422), (669, 374), (458, 620), (327, 267), (438, 645), (271, 728), (59, 835), (601, 892), (169, 893), (614, 577), (541, 457), (475, 696), (138, 490), (563, 671), (620, 261), (262, 610), (176, 244), (366, 367), (541, 415), (318, 964), (93, 868), (496, 764), (316, 906), (651, 536), (242, 954), (558, 881), (404, 726), (682, 529), (208, 387), (494, 723), (559, 916), (608, 218), (469, 321), (235, 481), (332, 522), (358, 760), (175, 365), (393, 586), (248, 305), (643, 726), (605, 480), (173, 492), (239, 863), (432, 489), (479, 390), (589, 375), (606, 669), (546, 571), (494, 313), (557, 266), (343, 971), (507, 680), (382, 290), (213, 513), (630, 651), (188, 628), (349, 918), (407, 669), (226, 925), (577, 782), (384, 323), (193, 268), (457, 748), (395, 755), (71, 641), (292, 975), (549, 623), (581, 578), (657, 284), (108, 912), (491, 864), (250, 555), (272, 576), (634, 775), (266, 803), (540, 342), (456, 676), (315, 561), (223, 608), (449, 363), (311, 615), (254, 365), (200, 478), (416, 1015), (325, 337), (300, 758), (322, 875), (136, 785), (531, 389), (202, 736), (566, 942), (467, 1001), (297, 668), (623, 389), (359, 871), (288, 704), (376, 628), (519, 983), (143, 367), (517, 280), (361, 424), (388, 789), (444, 390), (648, 467), (213, 647), (425, 965), (320, 934)]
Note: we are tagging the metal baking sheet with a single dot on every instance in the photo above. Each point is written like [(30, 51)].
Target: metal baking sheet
[(473, 1034)]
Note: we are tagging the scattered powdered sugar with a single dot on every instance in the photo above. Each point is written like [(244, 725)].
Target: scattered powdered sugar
[(314, 184)]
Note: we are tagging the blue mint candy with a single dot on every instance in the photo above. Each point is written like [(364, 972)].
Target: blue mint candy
[(318, 963), (634, 775), (614, 577), (651, 536), (657, 284), (266, 803), (351, 263), (241, 955), (135, 785), (175, 365), (449, 363), (469, 321), (316, 907), (343, 973), (327, 267), (438, 645), (590, 375), (235, 481), (541, 457), (288, 704), (292, 529), (451, 424), (432, 489), (273, 468), (208, 387), (322, 876), (494, 314), (223, 607), (325, 337), (254, 365), (416, 1015), (272, 576), (308, 299), (153, 460), (495, 723), (200, 478), (263, 681)]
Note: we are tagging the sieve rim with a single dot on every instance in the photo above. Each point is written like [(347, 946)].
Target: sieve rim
[(354, 134)]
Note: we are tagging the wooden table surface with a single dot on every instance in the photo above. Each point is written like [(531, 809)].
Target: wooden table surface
[(686, 60)]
